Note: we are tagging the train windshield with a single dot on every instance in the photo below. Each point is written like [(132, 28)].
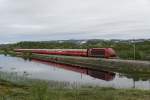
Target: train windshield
[(98, 52)]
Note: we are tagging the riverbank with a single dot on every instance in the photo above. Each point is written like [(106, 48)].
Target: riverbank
[(42, 91)]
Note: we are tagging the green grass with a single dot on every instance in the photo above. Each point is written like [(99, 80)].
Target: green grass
[(41, 91), (12, 88)]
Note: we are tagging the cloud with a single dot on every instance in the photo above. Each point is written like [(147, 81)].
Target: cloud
[(73, 19)]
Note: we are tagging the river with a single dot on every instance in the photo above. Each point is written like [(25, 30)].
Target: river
[(62, 73)]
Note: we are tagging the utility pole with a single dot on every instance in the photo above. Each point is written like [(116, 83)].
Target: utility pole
[(134, 52)]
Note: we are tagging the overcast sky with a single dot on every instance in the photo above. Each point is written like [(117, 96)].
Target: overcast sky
[(22, 20)]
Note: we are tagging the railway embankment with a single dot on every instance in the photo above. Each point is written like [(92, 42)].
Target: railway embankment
[(127, 66)]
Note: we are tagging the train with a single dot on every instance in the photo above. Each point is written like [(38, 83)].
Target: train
[(91, 52)]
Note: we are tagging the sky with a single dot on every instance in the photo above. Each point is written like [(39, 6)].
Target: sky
[(32, 20)]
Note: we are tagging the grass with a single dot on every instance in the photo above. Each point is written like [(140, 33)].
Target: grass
[(13, 87), (43, 92)]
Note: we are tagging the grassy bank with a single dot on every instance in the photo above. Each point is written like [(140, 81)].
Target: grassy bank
[(14, 88), (41, 91), (8, 52), (1, 51)]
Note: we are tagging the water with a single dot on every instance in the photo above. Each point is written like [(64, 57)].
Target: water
[(49, 71)]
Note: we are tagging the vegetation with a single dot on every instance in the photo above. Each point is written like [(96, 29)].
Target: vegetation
[(124, 49), (13, 88)]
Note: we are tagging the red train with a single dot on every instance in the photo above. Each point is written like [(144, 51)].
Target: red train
[(93, 52)]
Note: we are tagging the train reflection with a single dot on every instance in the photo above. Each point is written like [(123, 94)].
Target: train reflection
[(99, 74)]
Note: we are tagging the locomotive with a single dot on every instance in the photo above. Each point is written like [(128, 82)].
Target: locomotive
[(92, 52)]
